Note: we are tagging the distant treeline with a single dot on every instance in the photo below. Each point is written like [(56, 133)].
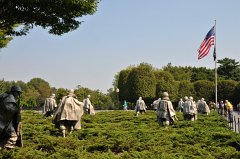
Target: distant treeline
[(146, 81), (149, 83), (37, 90)]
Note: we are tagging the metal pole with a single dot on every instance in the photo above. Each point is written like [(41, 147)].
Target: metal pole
[(118, 100), (235, 125), (117, 91), (238, 125), (215, 64)]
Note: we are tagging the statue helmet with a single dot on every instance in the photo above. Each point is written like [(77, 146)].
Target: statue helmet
[(185, 98), (89, 96), (191, 98), (16, 89), (165, 94)]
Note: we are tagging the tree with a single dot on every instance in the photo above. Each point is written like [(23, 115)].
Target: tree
[(82, 93), (4, 38), (165, 83), (29, 97), (2, 86), (60, 92), (42, 87), (202, 73), (142, 82), (58, 16), (122, 85), (229, 69), (185, 88), (179, 73), (98, 99), (226, 90), (204, 89), (236, 93), (116, 76), (5, 86)]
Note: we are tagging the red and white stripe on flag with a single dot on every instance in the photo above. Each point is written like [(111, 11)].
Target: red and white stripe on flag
[(205, 47), (207, 43)]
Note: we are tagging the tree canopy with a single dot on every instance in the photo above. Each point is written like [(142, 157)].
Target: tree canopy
[(204, 88), (179, 73), (122, 85), (179, 81), (42, 87), (141, 82), (58, 16), (229, 69), (4, 38), (165, 83)]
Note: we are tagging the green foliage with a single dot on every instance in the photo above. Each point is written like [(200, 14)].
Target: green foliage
[(37, 90), (205, 89), (229, 69), (42, 87), (179, 73), (185, 88), (119, 134), (60, 93), (4, 38), (236, 93), (226, 90), (202, 73), (177, 81), (29, 96), (122, 85), (6, 85), (58, 17), (1, 86), (142, 82), (82, 93), (98, 99), (165, 83)]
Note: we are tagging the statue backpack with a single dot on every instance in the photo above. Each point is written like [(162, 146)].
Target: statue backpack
[(16, 121), (2, 97)]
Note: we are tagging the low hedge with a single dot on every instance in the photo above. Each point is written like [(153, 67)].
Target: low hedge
[(119, 134)]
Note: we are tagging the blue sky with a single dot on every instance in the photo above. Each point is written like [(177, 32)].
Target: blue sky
[(123, 33)]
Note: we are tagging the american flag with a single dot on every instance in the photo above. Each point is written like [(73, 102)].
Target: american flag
[(207, 43)]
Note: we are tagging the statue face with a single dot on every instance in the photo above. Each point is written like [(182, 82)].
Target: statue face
[(16, 95)]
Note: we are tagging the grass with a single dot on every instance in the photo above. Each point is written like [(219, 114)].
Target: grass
[(119, 134)]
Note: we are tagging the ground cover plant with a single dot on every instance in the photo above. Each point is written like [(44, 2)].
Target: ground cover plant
[(119, 134)]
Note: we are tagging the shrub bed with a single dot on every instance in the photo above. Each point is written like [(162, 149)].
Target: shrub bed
[(119, 134)]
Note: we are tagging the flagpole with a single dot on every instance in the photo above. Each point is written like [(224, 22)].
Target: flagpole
[(215, 66)]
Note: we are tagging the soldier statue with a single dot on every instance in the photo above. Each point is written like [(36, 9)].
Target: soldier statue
[(68, 114), (155, 103), (140, 106), (10, 119), (189, 109), (49, 105), (203, 107), (193, 108), (165, 112), (88, 107), (180, 105)]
